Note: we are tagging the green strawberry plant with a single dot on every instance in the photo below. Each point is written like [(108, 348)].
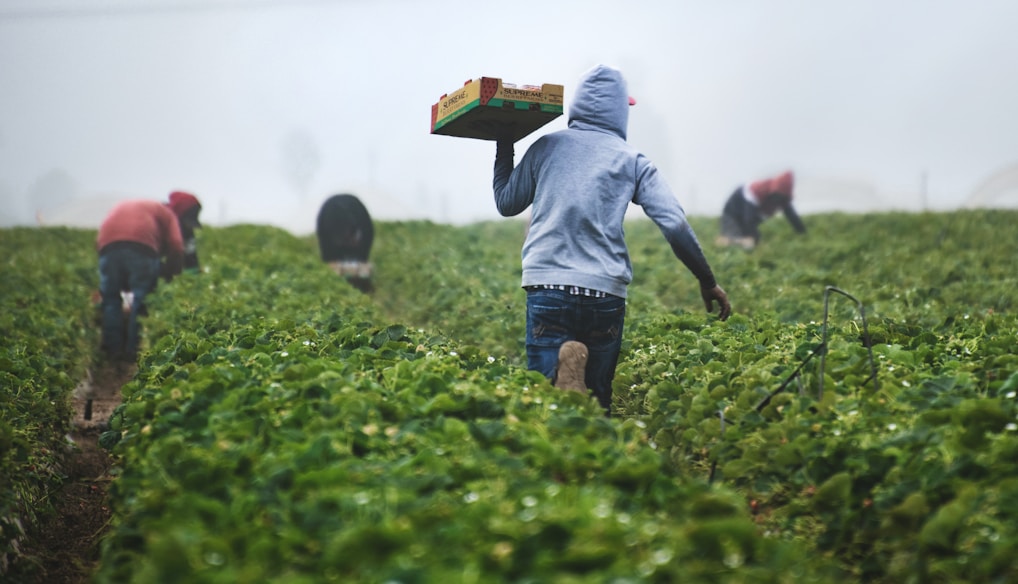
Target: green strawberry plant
[(285, 427), (305, 442), (47, 340)]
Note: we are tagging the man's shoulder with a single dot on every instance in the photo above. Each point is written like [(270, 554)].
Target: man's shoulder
[(143, 207), (133, 210), (585, 136)]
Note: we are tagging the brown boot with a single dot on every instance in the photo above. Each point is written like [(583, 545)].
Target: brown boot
[(572, 363)]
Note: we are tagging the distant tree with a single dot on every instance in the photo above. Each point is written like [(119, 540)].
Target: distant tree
[(11, 213), (300, 159), (51, 191)]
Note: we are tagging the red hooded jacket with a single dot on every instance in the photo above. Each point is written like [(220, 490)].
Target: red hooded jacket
[(773, 194), (150, 223)]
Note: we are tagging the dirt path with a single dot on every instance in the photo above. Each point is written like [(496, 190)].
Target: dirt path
[(64, 548)]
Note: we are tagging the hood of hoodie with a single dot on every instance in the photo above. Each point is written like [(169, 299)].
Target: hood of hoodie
[(186, 206), (601, 102), (779, 185)]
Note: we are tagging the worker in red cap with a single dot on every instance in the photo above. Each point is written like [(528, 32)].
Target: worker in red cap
[(187, 207), (138, 242), (751, 204)]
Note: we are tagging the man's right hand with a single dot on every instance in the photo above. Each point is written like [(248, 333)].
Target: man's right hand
[(716, 294)]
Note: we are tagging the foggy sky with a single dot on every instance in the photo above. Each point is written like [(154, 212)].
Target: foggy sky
[(263, 108)]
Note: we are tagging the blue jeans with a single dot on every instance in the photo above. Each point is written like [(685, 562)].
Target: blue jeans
[(124, 268), (556, 316)]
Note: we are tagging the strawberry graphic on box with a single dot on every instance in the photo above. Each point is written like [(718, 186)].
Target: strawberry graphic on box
[(486, 107), (489, 87)]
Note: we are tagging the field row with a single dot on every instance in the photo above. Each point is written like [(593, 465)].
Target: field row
[(285, 427)]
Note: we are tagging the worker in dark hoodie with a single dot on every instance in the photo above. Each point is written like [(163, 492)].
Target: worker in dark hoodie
[(345, 234), (578, 183)]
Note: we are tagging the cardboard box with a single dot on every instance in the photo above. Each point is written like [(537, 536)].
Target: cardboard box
[(483, 105)]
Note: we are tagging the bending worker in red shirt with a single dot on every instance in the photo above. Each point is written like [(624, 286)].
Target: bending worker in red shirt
[(137, 242), (750, 204)]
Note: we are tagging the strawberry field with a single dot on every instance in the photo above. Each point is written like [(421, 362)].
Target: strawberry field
[(283, 427)]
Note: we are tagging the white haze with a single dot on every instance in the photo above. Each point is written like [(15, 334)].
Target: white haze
[(263, 108)]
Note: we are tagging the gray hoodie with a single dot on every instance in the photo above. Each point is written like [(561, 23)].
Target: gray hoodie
[(580, 181)]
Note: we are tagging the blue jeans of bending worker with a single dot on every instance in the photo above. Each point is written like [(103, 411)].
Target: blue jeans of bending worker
[(557, 316), (124, 269)]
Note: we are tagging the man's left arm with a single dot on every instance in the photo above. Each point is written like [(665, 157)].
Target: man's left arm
[(172, 245), (661, 205)]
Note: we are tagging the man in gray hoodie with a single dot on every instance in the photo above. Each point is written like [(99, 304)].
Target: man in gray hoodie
[(576, 266)]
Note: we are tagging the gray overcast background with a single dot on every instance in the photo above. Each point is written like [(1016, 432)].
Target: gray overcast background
[(263, 108)]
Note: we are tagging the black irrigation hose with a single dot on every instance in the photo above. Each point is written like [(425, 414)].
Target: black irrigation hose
[(820, 349), (865, 336), (763, 403)]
